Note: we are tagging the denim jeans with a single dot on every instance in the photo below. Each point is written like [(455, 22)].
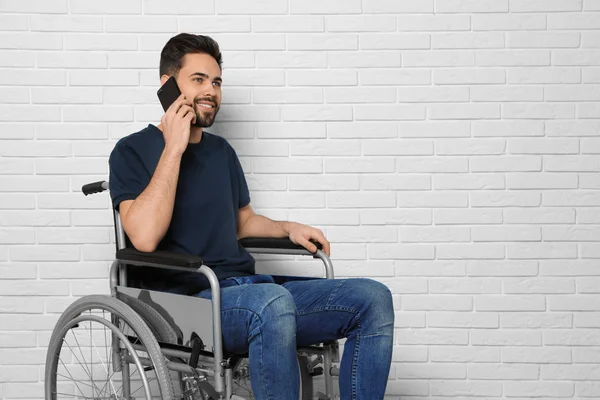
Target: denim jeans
[(269, 320)]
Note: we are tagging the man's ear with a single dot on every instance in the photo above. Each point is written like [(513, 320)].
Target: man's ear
[(163, 79)]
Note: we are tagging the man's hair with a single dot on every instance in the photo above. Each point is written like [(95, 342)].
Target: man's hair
[(178, 46)]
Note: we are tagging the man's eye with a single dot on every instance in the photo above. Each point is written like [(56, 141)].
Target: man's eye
[(217, 83)]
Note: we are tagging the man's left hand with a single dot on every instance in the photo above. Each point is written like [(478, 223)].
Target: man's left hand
[(301, 234)]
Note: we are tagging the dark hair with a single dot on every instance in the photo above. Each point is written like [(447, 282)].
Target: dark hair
[(178, 46)]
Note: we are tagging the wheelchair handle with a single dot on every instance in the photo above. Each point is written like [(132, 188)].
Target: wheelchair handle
[(94, 187)]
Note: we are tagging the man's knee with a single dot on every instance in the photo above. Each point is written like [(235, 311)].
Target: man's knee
[(375, 299), (272, 307)]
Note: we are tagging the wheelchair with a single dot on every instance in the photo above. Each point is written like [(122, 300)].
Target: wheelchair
[(143, 344)]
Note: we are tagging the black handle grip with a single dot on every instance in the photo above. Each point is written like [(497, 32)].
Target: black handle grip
[(95, 187)]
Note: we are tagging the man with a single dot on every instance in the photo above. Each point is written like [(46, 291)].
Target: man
[(183, 189)]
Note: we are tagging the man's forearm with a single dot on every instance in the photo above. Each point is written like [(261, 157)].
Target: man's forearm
[(261, 226)]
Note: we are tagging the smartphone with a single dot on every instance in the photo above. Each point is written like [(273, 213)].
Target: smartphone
[(168, 93)]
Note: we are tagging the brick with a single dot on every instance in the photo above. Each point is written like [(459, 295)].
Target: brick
[(501, 268), (503, 372), (541, 250), (441, 303), (360, 95), (466, 388), (15, 58), (505, 337), (330, 7), (552, 75), (400, 252), (585, 355), (545, 215), (469, 251), (368, 165), (506, 163), (316, 41), (469, 182), (106, 7), (395, 217), (505, 234), (587, 319), (569, 268), (68, 23), (574, 303), (464, 111), (545, 5), (433, 23), (319, 78), (579, 198), (364, 59), (507, 128), (572, 163), (570, 372), (370, 130), (437, 319), (19, 270), (291, 59), (470, 216), (510, 303), (431, 371), (542, 40), (576, 57), (542, 181), (538, 111), (45, 253), (508, 22), (471, 6), (289, 96), (391, 41), (470, 146), (363, 234), (433, 337), (33, 288), (464, 354), (430, 268), (524, 320), (467, 40), (389, 112), (388, 7), (409, 354), (589, 250), (391, 76), (539, 286), (433, 94), (317, 113), (468, 76), (431, 165), (434, 234), (539, 389), (587, 389), (283, 24), (438, 58), (494, 93), (543, 146), (434, 200), (37, 6), (379, 182)]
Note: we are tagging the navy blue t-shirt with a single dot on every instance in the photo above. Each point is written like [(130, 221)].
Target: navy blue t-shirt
[(211, 188)]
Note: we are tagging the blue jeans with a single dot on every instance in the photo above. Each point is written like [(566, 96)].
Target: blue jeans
[(269, 320)]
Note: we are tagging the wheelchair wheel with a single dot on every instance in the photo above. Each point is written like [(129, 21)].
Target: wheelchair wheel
[(241, 380), (102, 349)]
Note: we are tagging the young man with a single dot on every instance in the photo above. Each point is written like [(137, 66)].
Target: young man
[(183, 189)]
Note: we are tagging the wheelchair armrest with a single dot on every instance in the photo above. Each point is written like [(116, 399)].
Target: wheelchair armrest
[(163, 257), (274, 243)]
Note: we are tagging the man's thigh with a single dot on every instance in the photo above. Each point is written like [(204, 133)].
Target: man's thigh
[(325, 308)]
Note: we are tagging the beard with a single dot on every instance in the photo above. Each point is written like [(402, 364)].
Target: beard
[(205, 117)]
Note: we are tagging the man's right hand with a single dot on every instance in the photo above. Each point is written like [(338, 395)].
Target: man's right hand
[(177, 122)]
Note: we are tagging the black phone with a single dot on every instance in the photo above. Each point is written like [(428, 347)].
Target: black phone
[(168, 93)]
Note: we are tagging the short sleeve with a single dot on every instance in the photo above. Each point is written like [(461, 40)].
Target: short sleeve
[(242, 184), (127, 177)]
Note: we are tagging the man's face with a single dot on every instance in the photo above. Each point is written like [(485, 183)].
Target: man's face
[(199, 79)]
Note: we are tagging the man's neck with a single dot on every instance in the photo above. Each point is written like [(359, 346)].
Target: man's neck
[(195, 133)]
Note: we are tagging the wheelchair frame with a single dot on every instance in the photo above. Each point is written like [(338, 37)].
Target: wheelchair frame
[(211, 334)]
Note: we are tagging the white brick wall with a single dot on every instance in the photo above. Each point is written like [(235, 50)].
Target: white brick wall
[(449, 148)]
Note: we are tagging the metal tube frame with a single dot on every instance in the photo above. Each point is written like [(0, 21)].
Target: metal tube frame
[(118, 276)]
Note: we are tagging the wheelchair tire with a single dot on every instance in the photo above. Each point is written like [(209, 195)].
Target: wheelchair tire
[(134, 335)]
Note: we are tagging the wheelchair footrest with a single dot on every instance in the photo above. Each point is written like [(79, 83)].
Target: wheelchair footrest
[(316, 371)]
